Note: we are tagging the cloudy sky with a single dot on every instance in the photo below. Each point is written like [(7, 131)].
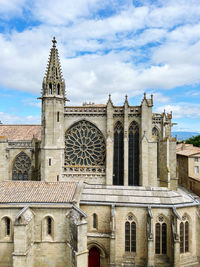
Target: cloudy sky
[(106, 46)]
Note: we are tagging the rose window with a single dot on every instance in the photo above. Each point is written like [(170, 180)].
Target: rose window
[(21, 167), (84, 145)]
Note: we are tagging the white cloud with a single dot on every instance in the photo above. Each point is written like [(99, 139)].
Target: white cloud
[(182, 110), (171, 63), (7, 118), (9, 8)]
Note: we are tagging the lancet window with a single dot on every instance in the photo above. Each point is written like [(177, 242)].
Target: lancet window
[(84, 145), (118, 168), (95, 221), (21, 167), (130, 234), (133, 164), (161, 237), (49, 225), (184, 237)]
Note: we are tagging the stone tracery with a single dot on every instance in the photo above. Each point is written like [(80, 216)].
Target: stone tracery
[(84, 145), (21, 167)]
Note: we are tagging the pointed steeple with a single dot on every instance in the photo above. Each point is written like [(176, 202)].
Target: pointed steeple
[(53, 83)]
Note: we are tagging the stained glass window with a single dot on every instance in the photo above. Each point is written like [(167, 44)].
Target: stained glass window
[(161, 238), (181, 237), (133, 166), (130, 235), (84, 145), (184, 237), (21, 167), (118, 170)]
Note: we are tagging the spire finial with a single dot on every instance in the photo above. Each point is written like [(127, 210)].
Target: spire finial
[(54, 41)]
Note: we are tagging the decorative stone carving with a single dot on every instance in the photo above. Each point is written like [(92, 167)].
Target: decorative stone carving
[(21, 167), (84, 146)]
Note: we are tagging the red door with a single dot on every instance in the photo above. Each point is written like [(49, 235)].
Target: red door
[(94, 257)]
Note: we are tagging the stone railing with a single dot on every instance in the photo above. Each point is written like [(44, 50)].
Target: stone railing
[(85, 109), (20, 144), (80, 171)]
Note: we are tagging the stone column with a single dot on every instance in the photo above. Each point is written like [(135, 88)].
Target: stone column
[(126, 126), (109, 143), (176, 253), (150, 240), (112, 238), (150, 260)]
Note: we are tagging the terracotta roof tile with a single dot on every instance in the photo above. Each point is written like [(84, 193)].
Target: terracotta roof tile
[(36, 192), (20, 132), (187, 149)]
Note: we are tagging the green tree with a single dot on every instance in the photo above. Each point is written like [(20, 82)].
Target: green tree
[(195, 140)]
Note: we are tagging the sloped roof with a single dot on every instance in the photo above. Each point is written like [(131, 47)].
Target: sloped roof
[(37, 192), (126, 195), (187, 150), (20, 132)]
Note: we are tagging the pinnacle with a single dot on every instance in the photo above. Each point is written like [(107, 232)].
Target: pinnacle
[(54, 41)]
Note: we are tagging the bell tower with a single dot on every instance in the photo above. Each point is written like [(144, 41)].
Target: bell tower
[(53, 102)]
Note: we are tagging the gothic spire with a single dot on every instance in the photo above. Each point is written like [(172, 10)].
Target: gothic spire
[(53, 83)]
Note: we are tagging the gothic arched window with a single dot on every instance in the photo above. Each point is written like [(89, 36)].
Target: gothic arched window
[(184, 237), (133, 159), (21, 167), (8, 224), (58, 89), (49, 225), (84, 145), (130, 235), (155, 135), (118, 170), (161, 238), (50, 89)]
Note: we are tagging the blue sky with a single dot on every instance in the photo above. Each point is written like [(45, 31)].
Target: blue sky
[(105, 46)]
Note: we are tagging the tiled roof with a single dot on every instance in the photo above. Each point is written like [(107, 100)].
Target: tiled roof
[(135, 195), (20, 132), (36, 192), (187, 149)]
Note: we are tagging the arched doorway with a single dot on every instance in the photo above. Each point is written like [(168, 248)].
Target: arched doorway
[(94, 257)]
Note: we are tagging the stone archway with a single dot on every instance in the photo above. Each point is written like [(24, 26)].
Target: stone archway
[(94, 257)]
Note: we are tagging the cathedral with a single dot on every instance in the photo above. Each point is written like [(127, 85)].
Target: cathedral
[(94, 186)]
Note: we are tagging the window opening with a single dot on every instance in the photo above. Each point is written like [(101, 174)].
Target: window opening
[(95, 222), (196, 169), (118, 170), (49, 225), (50, 89), (7, 226), (58, 89), (84, 145), (130, 235), (49, 162), (161, 238), (133, 168), (21, 167)]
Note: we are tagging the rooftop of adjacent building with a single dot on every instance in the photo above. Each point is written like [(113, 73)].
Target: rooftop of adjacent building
[(37, 192), (136, 196), (187, 149), (18, 132)]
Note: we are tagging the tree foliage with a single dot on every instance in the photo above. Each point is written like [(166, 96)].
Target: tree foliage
[(195, 140)]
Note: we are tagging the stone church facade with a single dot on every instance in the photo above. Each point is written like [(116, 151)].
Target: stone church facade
[(93, 185)]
